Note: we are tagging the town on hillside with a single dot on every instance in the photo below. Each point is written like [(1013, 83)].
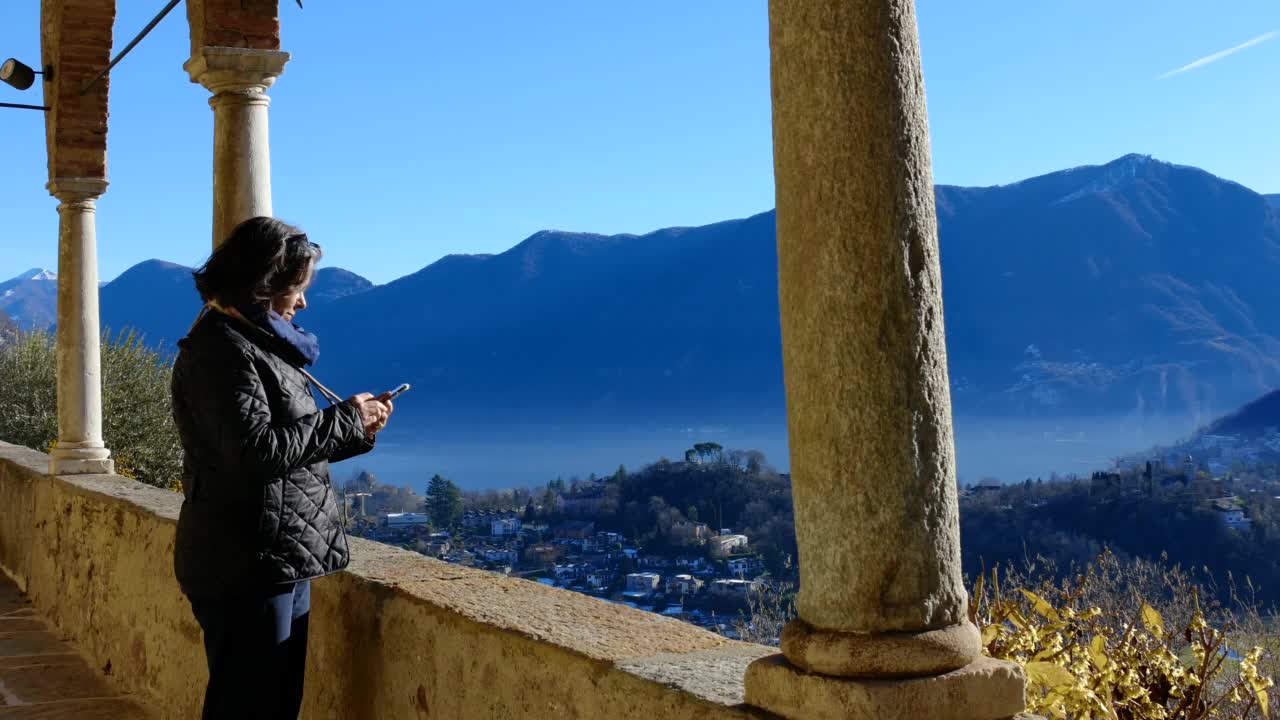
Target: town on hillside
[(585, 536)]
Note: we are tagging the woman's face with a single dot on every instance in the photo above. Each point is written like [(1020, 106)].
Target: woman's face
[(289, 304)]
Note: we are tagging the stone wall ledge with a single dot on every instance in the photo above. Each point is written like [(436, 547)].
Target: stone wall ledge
[(396, 635)]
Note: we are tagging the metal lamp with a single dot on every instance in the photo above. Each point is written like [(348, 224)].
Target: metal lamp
[(17, 75)]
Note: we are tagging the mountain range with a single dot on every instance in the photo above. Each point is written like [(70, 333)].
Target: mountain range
[(159, 299), (1137, 286), (30, 298)]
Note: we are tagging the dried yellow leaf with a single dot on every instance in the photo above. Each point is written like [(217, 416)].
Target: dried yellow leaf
[(1153, 620), (1049, 674), (1259, 686), (1098, 652), (989, 634), (1042, 606)]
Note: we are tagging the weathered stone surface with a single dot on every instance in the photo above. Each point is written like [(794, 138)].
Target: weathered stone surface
[(398, 635), (714, 675), (100, 709), (50, 685), (31, 643), (42, 683), (238, 77), (11, 602), (21, 624), (592, 628), (868, 404), (58, 660), (80, 448), (892, 654), (985, 689)]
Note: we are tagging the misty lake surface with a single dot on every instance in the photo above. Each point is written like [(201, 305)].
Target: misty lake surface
[(1010, 450)]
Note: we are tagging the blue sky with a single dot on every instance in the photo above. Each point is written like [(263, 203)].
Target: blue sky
[(428, 128)]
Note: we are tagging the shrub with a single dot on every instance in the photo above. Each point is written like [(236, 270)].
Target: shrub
[(136, 408), (769, 607), (1094, 645), (1116, 639)]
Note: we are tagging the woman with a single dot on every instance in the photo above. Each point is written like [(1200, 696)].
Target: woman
[(259, 518)]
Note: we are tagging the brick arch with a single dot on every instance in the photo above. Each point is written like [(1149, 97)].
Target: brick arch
[(76, 44), (251, 24)]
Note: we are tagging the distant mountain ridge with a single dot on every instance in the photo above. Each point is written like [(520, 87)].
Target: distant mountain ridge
[(1252, 420), (159, 299), (1137, 286), (30, 298)]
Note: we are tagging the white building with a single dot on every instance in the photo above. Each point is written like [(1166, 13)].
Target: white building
[(1232, 516), (408, 519), (733, 588), (499, 555), (745, 567), (722, 546), (504, 526), (1235, 519), (683, 585), (645, 582), (570, 572)]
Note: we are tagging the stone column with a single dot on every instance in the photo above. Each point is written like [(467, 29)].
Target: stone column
[(238, 79), (868, 402), (79, 449)]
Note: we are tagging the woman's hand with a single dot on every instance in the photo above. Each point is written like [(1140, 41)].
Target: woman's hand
[(373, 411)]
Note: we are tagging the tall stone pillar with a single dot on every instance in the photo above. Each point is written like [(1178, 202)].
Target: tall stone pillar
[(882, 630), (80, 448), (238, 79)]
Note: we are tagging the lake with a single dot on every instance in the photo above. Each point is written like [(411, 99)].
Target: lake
[(478, 458)]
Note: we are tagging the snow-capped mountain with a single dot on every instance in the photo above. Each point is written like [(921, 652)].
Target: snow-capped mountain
[(31, 298)]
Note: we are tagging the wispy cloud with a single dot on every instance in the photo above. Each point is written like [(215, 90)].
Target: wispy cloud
[(1219, 55)]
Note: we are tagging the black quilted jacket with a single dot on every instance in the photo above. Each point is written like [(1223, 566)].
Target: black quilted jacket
[(259, 509)]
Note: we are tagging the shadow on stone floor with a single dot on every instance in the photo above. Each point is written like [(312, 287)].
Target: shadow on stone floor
[(42, 676)]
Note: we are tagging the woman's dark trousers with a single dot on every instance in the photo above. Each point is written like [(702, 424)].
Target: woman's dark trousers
[(257, 650)]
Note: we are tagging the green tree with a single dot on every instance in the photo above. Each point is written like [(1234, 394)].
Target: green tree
[(709, 452), (137, 412), (444, 502)]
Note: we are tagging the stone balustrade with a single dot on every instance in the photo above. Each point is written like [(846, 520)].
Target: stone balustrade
[(397, 635)]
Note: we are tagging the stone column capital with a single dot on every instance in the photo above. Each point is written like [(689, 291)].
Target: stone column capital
[(236, 70), (83, 191)]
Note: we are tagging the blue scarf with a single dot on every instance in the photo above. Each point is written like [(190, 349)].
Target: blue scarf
[(305, 346)]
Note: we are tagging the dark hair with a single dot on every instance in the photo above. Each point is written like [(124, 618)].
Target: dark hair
[(262, 258)]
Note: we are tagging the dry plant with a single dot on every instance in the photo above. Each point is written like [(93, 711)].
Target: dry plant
[(1127, 640), (769, 607)]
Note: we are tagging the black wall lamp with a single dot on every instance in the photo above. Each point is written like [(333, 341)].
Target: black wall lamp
[(21, 76)]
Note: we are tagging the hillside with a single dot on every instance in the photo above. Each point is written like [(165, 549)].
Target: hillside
[(159, 300), (668, 322), (30, 298), (1134, 287), (1250, 421), (1138, 285)]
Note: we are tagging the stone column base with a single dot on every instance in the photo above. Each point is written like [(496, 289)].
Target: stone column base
[(985, 689), (81, 461)]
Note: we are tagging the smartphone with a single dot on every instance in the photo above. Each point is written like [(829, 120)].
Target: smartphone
[(396, 393)]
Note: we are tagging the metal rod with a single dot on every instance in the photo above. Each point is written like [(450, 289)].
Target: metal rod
[(23, 107), (150, 26)]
